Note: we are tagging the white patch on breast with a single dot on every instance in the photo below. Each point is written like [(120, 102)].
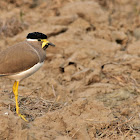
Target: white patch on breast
[(20, 76)]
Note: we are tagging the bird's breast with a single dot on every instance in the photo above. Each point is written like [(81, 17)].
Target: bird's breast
[(24, 74)]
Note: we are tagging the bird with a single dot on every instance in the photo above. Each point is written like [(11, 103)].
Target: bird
[(23, 59)]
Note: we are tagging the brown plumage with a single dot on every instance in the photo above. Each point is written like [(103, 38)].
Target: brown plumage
[(21, 57)]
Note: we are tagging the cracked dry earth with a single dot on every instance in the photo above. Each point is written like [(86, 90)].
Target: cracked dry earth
[(89, 86)]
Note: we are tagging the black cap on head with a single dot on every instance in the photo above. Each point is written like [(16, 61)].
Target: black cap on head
[(36, 35)]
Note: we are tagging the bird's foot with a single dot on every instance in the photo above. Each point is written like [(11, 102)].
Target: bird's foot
[(23, 117)]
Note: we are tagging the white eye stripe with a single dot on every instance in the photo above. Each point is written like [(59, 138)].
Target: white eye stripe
[(32, 39)]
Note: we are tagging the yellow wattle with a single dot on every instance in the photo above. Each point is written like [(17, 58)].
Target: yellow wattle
[(45, 42)]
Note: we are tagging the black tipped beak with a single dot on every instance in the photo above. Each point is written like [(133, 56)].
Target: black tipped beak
[(51, 44)]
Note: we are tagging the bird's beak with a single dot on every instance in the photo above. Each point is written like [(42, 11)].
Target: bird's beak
[(51, 44), (46, 43)]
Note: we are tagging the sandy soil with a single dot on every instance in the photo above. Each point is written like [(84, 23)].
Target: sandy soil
[(89, 86)]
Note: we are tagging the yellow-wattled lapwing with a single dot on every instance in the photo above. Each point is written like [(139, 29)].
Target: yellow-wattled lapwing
[(23, 59)]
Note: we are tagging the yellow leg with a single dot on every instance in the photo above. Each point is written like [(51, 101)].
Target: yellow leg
[(15, 90)]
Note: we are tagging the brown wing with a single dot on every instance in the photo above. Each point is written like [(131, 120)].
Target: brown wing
[(17, 58)]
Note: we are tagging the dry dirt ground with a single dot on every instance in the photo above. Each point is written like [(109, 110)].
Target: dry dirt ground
[(89, 86)]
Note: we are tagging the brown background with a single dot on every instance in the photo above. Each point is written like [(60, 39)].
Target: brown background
[(89, 86)]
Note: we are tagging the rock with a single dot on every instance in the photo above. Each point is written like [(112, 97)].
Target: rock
[(103, 34), (91, 47), (136, 76), (136, 65), (118, 36), (12, 27), (89, 10), (138, 100), (66, 78), (80, 23), (102, 46), (62, 20), (63, 138), (125, 112), (7, 122), (134, 48), (114, 69), (93, 77), (81, 74), (69, 69), (122, 1), (137, 33), (56, 30)]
